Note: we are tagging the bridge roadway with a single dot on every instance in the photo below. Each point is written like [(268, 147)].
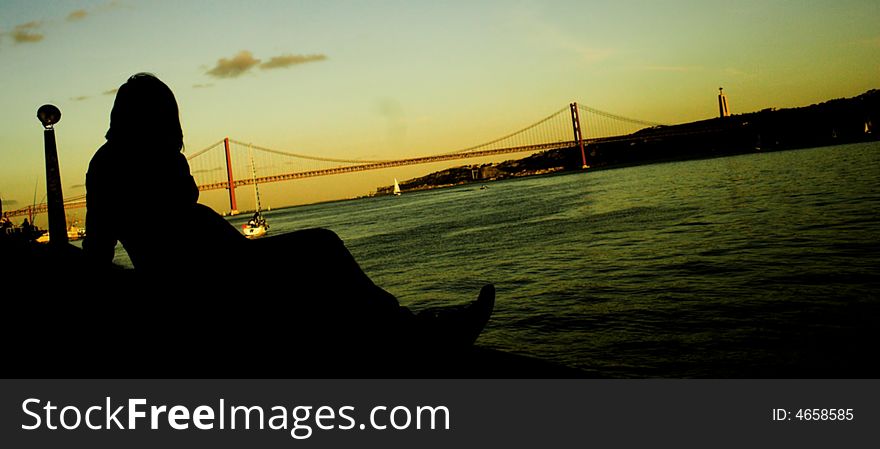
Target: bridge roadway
[(79, 202), (43, 207), (389, 164)]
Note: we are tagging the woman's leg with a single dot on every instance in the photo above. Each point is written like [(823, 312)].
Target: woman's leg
[(337, 305), (317, 262), (332, 298)]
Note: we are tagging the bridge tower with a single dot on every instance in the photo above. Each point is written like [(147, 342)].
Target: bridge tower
[(578, 137), (723, 110), (233, 207)]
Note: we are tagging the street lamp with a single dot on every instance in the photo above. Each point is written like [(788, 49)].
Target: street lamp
[(49, 115)]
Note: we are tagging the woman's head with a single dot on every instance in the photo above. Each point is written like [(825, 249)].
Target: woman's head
[(145, 113)]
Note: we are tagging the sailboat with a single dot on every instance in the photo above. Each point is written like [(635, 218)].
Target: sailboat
[(74, 231), (257, 225), (396, 188)]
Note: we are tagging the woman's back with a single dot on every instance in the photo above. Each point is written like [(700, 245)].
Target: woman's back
[(139, 189)]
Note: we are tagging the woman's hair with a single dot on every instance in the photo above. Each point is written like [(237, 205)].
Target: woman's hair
[(145, 114)]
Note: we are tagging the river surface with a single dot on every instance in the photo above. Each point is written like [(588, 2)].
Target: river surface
[(761, 265)]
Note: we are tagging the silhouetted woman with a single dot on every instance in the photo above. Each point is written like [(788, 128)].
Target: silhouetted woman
[(140, 192)]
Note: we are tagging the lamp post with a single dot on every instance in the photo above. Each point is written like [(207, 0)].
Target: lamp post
[(49, 115)]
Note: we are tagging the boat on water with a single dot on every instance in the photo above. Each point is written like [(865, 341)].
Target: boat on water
[(74, 233), (396, 188), (257, 226), (31, 233)]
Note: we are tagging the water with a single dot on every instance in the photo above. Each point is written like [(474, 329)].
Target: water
[(762, 265)]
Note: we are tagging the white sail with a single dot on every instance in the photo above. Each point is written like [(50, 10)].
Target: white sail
[(396, 187)]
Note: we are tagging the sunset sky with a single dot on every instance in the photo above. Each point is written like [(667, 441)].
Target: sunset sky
[(396, 79)]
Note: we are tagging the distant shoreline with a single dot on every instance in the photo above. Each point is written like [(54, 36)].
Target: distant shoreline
[(834, 122)]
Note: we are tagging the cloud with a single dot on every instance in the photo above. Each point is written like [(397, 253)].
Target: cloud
[(25, 33), (110, 92), (80, 98), (245, 61), (280, 62), (79, 14), (113, 5), (30, 33), (206, 170), (235, 66)]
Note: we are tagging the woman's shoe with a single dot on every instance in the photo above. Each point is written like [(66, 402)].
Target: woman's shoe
[(458, 327)]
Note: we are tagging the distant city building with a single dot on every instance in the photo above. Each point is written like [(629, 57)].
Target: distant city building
[(723, 110)]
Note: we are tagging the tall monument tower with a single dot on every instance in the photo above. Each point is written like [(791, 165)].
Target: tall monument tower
[(723, 111)]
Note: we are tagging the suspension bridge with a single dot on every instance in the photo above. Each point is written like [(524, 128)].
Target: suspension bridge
[(228, 163)]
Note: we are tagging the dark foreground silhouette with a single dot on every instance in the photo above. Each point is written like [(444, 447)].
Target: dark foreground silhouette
[(64, 319), (190, 308)]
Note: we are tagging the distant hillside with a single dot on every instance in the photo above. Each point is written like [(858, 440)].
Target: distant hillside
[(833, 122)]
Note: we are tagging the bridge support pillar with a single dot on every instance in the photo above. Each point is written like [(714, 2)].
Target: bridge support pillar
[(578, 137), (233, 207)]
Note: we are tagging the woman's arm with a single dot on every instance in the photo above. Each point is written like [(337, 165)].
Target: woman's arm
[(99, 244), (187, 184)]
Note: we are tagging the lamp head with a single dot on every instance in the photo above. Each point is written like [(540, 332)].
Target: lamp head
[(48, 115)]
